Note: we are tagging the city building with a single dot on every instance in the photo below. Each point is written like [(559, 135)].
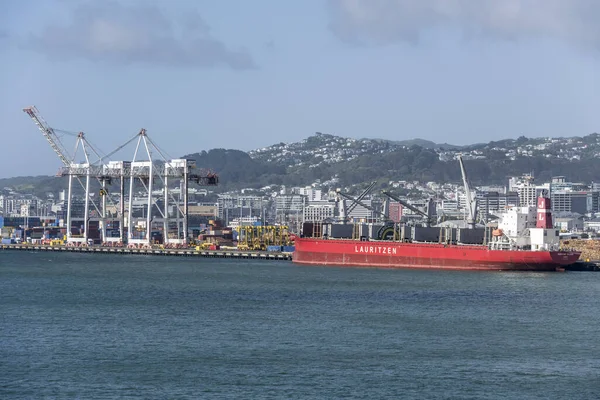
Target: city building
[(582, 202), (360, 213), (209, 210), (289, 208), (527, 191), (569, 224), (493, 203), (319, 211), (237, 206), (311, 193), (395, 211), (592, 225)]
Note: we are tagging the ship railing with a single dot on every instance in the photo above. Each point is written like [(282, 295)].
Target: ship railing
[(501, 245)]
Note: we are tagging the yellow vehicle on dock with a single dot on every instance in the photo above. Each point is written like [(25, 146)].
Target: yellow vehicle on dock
[(260, 237), (207, 246)]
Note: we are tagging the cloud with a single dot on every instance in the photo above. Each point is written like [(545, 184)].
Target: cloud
[(389, 21), (110, 32)]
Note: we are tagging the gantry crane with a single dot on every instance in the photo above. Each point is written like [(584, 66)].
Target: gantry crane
[(70, 169), (49, 134), (146, 171)]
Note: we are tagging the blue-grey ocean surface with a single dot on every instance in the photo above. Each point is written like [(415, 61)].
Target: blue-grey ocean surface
[(104, 327)]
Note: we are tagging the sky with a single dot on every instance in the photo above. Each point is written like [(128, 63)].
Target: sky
[(203, 74)]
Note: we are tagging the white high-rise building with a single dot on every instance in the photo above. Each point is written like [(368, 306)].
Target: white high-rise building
[(311, 193), (528, 192), (318, 211)]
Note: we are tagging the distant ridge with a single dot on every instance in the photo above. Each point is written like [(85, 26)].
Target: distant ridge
[(426, 144), (334, 161)]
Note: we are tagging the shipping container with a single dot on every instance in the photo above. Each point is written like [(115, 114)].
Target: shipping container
[(470, 236), (94, 234), (340, 231), (425, 234), (288, 249), (274, 248), (22, 221), (112, 233)]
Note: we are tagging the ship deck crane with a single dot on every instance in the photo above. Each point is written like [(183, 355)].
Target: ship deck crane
[(346, 210), (471, 203), (360, 197), (360, 203), (429, 220)]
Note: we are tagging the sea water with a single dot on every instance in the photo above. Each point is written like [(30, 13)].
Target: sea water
[(93, 326)]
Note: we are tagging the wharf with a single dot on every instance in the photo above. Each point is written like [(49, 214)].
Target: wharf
[(256, 255), (584, 266)]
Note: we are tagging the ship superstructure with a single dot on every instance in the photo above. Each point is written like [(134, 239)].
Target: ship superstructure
[(527, 228)]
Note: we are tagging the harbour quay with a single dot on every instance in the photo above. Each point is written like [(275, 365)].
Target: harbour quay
[(582, 265), (189, 252)]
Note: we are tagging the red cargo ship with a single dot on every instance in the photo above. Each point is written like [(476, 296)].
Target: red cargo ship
[(522, 242), (426, 255)]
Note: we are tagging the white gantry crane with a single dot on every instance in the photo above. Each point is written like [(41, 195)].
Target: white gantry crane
[(73, 170), (143, 211), (49, 134)]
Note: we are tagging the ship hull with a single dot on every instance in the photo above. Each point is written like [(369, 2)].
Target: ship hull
[(385, 254)]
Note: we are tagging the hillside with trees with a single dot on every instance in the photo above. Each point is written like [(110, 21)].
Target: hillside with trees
[(335, 161)]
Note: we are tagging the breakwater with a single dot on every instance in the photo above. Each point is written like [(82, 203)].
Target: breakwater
[(189, 252)]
